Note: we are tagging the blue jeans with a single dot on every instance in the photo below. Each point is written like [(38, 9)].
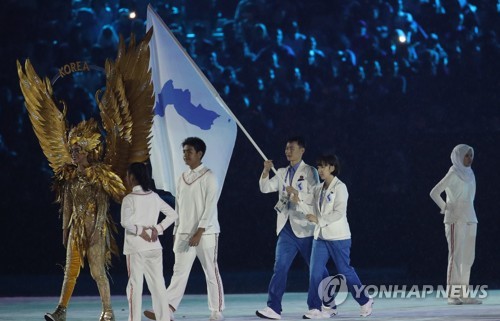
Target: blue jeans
[(286, 249), (339, 251)]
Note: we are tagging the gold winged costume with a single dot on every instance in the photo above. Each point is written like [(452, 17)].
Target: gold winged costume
[(87, 173)]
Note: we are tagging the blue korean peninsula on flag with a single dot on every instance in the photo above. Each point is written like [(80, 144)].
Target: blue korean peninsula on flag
[(186, 105)]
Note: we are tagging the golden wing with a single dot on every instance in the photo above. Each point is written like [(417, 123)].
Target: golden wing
[(127, 105), (48, 122)]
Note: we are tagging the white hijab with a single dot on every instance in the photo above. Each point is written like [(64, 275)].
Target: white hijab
[(457, 159)]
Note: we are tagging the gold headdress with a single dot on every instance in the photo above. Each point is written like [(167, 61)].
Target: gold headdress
[(86, 135)]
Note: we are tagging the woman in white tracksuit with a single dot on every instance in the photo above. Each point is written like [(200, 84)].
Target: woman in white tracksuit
[(139, 216), (460, 222)]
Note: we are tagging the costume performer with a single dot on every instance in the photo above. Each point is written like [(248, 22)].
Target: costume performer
[(85, 175), (460, 222)]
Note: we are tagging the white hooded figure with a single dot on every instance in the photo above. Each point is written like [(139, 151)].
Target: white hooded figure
[(460, 221)]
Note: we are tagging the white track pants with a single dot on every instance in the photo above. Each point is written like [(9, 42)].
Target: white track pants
[(148, 264), (206, 252), (461, 252)]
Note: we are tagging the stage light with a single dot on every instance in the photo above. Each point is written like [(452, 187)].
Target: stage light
[(132, 15), (400, 35)]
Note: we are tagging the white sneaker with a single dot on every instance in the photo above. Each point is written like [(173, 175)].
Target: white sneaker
[(216, 316), (454, 301), (329, 311), (268, 313), (471, 301), (316, 314), (366, 309)]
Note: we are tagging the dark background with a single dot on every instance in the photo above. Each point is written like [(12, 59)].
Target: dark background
[(394, 147)]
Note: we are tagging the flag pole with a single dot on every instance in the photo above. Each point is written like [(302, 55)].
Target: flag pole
[(229, 111)]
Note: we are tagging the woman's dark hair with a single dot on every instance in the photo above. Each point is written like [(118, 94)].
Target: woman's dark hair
[(141, 174), (329, 159)]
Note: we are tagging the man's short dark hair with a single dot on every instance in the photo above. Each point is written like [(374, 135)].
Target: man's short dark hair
[(298, 139), (329, 159), (197, 143)]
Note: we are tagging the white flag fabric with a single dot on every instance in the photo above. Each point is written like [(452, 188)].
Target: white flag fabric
[(186, 105)]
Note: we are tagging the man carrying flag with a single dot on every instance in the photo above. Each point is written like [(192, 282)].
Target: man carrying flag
[(295, 232)]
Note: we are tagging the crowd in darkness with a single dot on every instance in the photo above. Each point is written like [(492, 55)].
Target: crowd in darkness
[(373, 80)]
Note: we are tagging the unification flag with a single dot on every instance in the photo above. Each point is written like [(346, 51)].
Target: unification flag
[(186, 105)]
